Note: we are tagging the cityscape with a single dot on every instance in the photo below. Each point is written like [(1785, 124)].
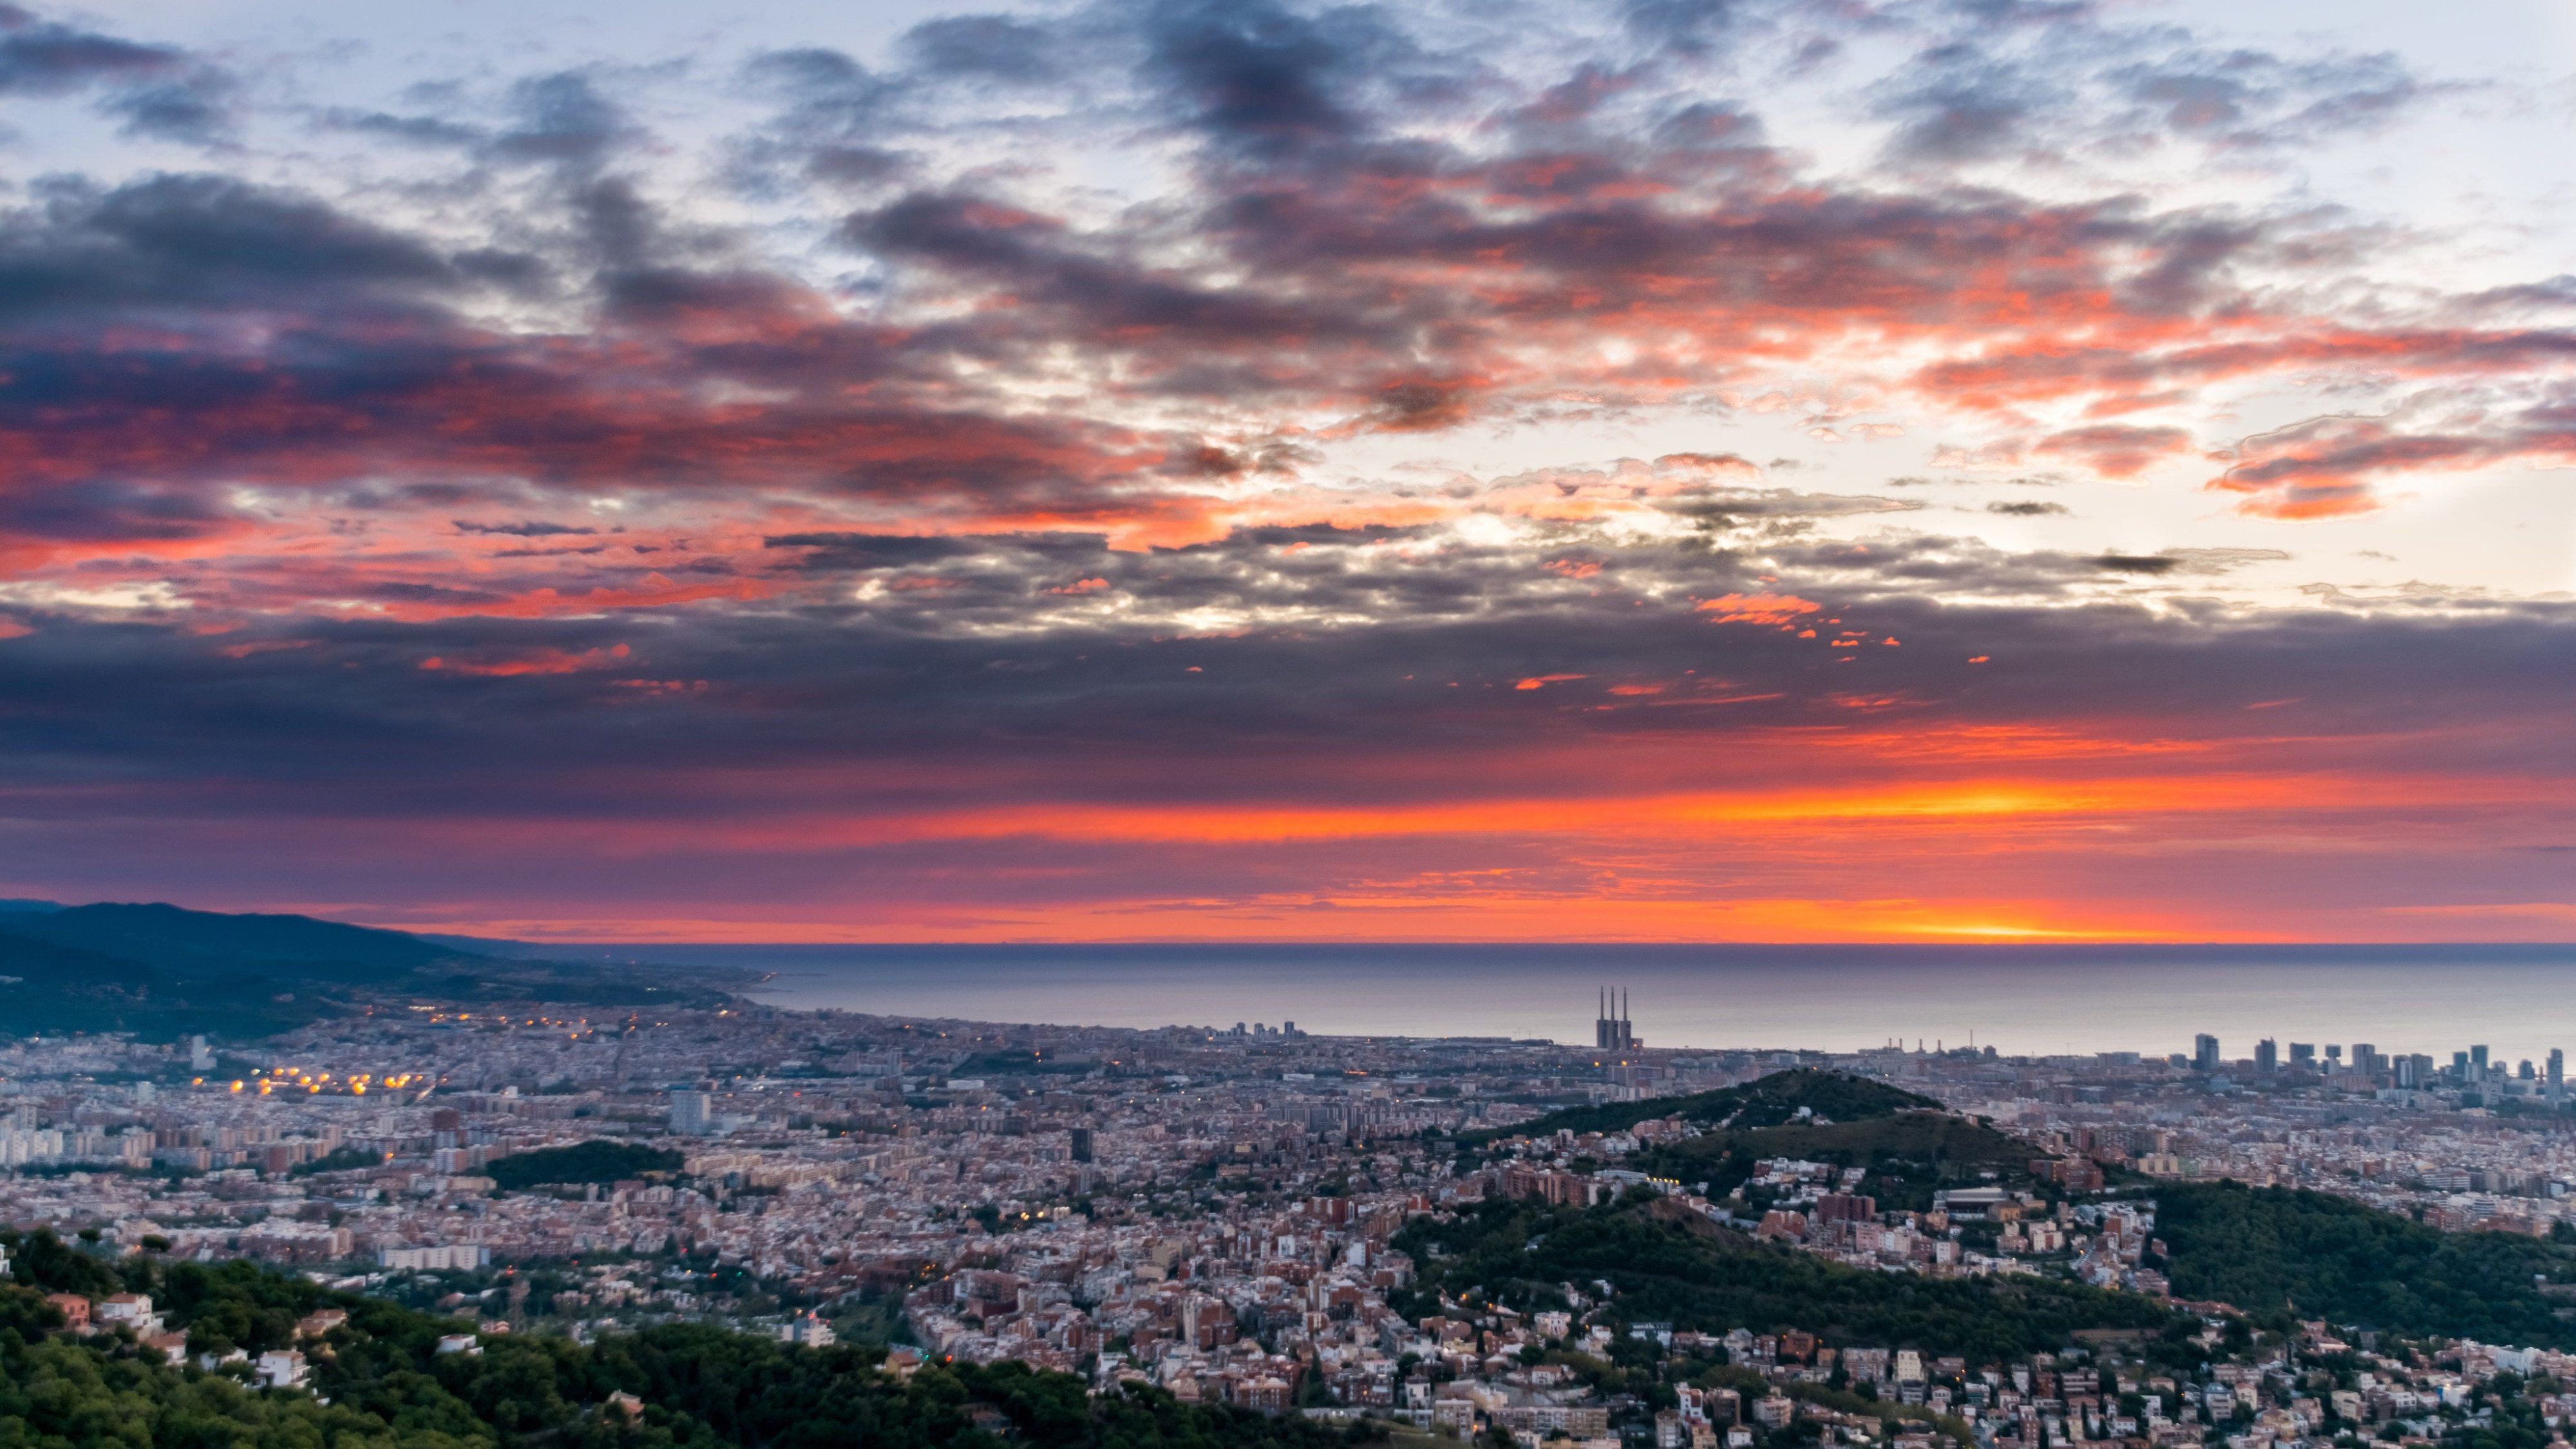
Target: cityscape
[(1243, 1215), (911, 725)]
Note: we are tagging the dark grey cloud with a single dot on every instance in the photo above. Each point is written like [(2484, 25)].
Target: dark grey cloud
[(563, 118), (2213, 561), (833, 102), (1960, 103), (195, 108), (46, 57), (221, 226), (158, 90), (1267, 84), (327, 718), (2248, 97), (857, 165), (815, 75), (985, 47), (415, 130), (109, 510), (2056, 81), (201, 241), (1690, 26), (857, 551), (525, 528), (1725, 505)]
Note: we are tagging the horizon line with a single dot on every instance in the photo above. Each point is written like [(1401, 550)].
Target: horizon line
[(2017, 943)]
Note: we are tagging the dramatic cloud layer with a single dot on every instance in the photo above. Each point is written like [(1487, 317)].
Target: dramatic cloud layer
[(1659, 470)]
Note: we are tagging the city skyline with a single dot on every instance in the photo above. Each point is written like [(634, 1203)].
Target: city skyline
[(1909, 470), (1882, 1248)]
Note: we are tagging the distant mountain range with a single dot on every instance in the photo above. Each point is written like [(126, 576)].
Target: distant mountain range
[(164, 971)]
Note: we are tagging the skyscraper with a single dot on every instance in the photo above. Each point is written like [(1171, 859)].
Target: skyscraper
[(689, 1114), (1080, 1149), (2204, 1053), (2267, 1056)]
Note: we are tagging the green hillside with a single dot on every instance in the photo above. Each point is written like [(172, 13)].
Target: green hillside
[(596, 1161), (389, 1388), (49, 987), (1909, 1145), (1769, 1102), (189, 943), (1670, 1266), (1908, 1156), (162, 971), (2328, 1257)]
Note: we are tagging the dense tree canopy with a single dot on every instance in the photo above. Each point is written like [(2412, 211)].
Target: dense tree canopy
[(1667, 1268), (1907, 1156), (593, 1161), (2328, 1257), (1768, 1102)]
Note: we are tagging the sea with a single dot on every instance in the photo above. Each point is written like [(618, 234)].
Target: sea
[(2519, 1001)]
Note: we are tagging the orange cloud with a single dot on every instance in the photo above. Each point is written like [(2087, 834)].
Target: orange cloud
[(549, 603), (1758, 608), (543, 661), (1368, 917), (2114, 450), (1998, 801)]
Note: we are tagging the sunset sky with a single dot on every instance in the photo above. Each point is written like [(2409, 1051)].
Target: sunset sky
[(1646, 470)]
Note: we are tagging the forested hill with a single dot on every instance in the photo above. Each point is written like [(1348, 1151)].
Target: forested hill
[(2327, 1257), (2273, 1253), (1905, 1158), (388, 1387), (163, 971), (1768, 1102), (185, 942), (1669, 1265)]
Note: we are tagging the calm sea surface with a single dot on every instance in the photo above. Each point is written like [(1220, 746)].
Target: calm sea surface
[(2518, 1000)]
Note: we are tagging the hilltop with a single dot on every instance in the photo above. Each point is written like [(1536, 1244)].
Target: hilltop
[(1908, 1145), (1906, 1156), (1794, 1095)]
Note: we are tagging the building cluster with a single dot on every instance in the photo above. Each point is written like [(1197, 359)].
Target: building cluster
[(1213, 1211), (2481, 1147), (1240, 1306), (818, 1148)]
